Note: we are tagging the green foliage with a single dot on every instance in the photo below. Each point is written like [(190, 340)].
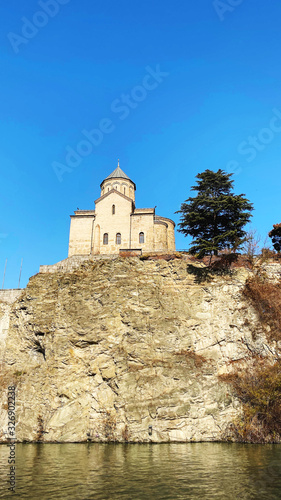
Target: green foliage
[(216, 216), (275, 235)]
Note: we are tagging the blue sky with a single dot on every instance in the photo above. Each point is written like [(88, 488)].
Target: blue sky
[(69, 66)]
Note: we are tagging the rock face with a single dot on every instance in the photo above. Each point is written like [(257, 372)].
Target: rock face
[(125, 350)]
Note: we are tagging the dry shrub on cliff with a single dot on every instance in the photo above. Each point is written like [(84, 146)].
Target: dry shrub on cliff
[(259, 390), (259, 387), (266, 298), (268, 255)]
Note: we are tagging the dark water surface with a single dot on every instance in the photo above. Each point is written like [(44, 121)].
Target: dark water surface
[(132, 472)]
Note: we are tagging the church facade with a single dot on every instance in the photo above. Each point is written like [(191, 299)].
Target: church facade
[(116, 224)]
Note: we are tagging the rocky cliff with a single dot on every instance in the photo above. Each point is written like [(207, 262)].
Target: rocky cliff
[(126, 350)]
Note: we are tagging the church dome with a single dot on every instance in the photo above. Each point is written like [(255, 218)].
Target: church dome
[(118, 174)]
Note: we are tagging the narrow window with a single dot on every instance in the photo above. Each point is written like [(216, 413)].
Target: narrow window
[(105, 239), (113, 209), (124, 190), (141, 237), (118, 239)]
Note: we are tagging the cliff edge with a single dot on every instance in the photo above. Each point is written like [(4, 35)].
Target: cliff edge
[(127, 350)]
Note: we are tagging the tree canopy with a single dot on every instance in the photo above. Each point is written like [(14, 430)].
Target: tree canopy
[(275, 235), (216, 216)]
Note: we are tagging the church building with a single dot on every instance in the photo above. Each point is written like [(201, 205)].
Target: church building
[(116, 224)]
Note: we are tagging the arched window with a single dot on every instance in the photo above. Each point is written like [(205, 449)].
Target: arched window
[(118, 239), (141, 237), (113, 209), (105, 239), (124, 190)]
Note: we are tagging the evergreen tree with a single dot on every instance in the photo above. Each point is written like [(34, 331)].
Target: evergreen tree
[(216, 216), (275, 235)]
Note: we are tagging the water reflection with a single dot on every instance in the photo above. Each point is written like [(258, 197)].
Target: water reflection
[(139, 472)]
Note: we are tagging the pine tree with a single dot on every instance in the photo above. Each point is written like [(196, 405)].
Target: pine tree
[(216, 216), (275, 235)]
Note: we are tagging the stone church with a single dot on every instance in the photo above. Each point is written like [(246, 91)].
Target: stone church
[(116, 224)]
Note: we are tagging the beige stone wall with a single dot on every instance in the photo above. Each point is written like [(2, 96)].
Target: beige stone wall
[(10, 295), (164, 238), (86, 238), (143, 223), (81, 234), (70, 264), (88, 227), (124, 186), (161, 240), (171, 236), (170, 232), (113, 223)]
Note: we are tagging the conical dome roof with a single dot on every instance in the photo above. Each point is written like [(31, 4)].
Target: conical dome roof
[(118, 174)]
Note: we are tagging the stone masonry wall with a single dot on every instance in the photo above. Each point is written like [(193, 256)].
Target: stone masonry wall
[(10, 295), (80, 235)]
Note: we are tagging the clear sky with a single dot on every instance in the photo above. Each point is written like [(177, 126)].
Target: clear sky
[(171, 87)]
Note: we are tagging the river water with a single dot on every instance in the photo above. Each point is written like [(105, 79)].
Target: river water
[(143, 471)]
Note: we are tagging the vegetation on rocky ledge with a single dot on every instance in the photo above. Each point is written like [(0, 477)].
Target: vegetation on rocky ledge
[(259, 386)]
